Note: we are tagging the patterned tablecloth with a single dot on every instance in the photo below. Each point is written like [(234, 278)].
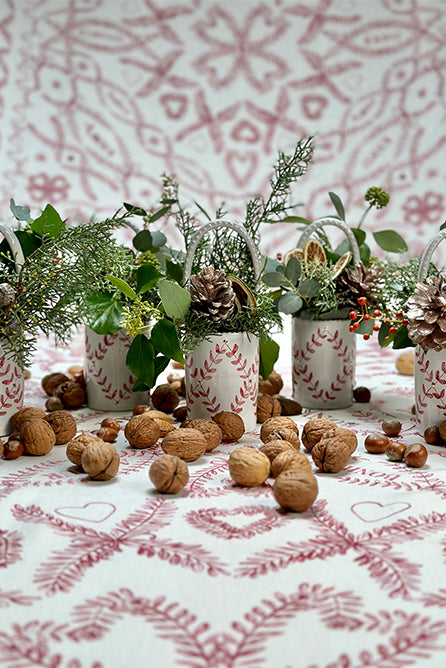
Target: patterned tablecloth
[(111, 574)]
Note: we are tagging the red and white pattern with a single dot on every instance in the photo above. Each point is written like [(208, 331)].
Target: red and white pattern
[(218, 575), (430, 388), (11, 392), (98, 98)]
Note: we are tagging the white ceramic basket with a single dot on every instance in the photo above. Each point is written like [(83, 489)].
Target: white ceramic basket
[(107, 379), (430, 365), (222, 373), (324, 351), (11, 374)]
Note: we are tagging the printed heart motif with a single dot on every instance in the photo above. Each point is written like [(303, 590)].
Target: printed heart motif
[(95, 511), (214, 521), (241, 166), (373, 511), (314, 105), (246, 132), (174, 105)]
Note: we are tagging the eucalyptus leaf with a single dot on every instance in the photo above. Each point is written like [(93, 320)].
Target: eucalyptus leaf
[(337, 203), (175, 299), (269, 265), (147, 275), (140, 359), (164, 338), (390, 241), (293, 270), (20, 212), (309, 288), (158, 239), (269, 354), (274, 279), (125, 288), (289, 303), (143, 241)]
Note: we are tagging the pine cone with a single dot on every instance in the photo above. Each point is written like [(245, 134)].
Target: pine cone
[(7, 295), (360, 282), (427, 314), (211, 294)]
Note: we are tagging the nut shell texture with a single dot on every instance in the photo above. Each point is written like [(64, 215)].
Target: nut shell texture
[(345, 435), (141, 431), (273, 448), (210, 430), (274, 423), (76, 447), (248, 467), (169, 474), (231, 425), (37, 437), (285, 434), (63, 424), (290, 459), (101, 462), (330, 455), (295, 489), (314, 430), (187, 444), (26, 413)]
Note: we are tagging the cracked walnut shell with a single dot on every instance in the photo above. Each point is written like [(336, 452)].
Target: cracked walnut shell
[(248, 467), (274, 423), (231, 425), (187, 444), (100, 462), (313, 431), (37, 437), (285, 434), (331, 454), (273, 448), (63, 424), (169, 474), (77, 445), (141, 431), (345, 435), (295, 489)]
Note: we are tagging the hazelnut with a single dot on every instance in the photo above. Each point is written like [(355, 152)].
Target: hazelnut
[(289, 459), (231, 425), (187, 444), (2, 447), (210, 430), (71, 394), (331, 454), (63, 424), (37, 437), (112, 423), (391, 427), (107, 434), (26, 413), (345, 435), (285, 434), (76, 447), (267, 407), (248, 467), (362, 395), (442, 430), (313, 431), (295, 489), (395, 451), (141, 432), (180, 413), (76, 373), (276, 423), (53, 404), (415, 455), (140, 409), (376, 443), (13, 450), (432, 435), (165, 398), (288, 406), (53, 380), (405, 363), (169, 474), (100, 462), (273, 448)]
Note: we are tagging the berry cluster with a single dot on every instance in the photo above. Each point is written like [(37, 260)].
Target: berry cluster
[(376, 316)]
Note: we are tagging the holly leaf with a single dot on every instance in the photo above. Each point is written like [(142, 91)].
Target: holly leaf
[(147, 275), (165, 340), (48, 223), (107, 319), (269, 353), (140, 360)]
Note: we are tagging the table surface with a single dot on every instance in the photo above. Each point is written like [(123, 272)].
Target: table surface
[(115, 574)]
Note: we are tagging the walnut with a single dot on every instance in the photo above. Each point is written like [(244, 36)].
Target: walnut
[(405, 363), (288, 406), (210, 430), (71, 394), (100, 461), (26, 413), (248, 467), (273, 448), (165, 398), (267, 407), (345, 435), (142, 432), (331, 454), (153, 413), (187, 444), (295, 489), (231, 425), (53, 380), (276, 423), (76, 447), (272, 385), (285, 434), (313, 431), (289, 459), (169, 474), (63, 424), (37, 437), (164, 425)]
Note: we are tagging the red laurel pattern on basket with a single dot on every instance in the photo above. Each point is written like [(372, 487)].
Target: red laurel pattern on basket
[(95, 565), (127, 91), (97, 353), (11, 387)]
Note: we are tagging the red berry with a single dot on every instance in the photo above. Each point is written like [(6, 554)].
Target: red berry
[(392, 330), (376, 328), (352, 315), (362, 301), (351, 328), (399, 315), (405, 323), (355, 325), (366, 337), (279, 257), (366, 317), (376, 313)]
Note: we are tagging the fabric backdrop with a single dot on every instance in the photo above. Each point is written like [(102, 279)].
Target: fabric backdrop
[(98, 98)]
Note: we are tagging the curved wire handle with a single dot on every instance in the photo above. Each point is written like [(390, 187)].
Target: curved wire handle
[(427, 254), (215, 225), (328, 220), (15, 246)]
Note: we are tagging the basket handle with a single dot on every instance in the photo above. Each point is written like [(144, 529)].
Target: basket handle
[(427, 254), (14, 245), (216, 225), (336, 222)]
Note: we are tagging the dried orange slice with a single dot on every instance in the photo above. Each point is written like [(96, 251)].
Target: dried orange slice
[(294, 252), (313, 251), (340, 265), (243, 294)]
